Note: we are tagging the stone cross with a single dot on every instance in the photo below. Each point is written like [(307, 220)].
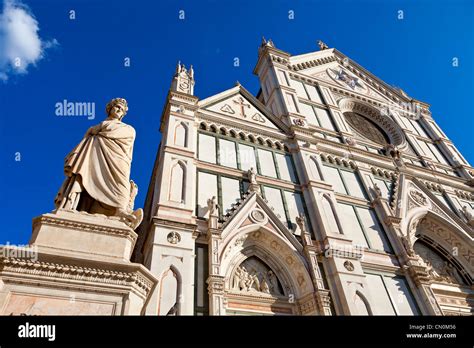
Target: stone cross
[(241, 103)]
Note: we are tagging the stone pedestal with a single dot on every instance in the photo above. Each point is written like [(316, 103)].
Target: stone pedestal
[(77, 264), (83, 235)]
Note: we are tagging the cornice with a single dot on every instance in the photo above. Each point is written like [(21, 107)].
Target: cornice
[(253, 130), (311, 63), (68, 272), (85, 226)]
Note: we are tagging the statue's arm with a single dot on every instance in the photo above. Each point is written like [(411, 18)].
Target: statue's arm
[(94, 130)]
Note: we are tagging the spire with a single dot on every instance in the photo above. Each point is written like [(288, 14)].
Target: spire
[(265, 43), (183, 80)]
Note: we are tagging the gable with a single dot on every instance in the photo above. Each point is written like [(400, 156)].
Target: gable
[(237, 106), (344, 78), (344, 74), (415, 197), (253, 210)]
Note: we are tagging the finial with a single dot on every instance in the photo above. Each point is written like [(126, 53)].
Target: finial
[(191, 71), (322, 45)]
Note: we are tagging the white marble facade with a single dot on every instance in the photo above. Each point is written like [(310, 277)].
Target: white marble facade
[(360, 204)]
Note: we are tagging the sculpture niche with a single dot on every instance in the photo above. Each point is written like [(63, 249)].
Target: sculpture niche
[(98, 170)]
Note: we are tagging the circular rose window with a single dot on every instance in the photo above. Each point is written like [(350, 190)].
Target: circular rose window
[(366, 128)]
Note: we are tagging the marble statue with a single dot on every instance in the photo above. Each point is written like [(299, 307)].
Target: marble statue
[(431, 271), (252, 175), (212, 206), (259, 279), (301, 222), (98, 170)]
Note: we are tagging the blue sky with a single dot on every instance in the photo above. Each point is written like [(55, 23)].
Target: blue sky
[(85, 63)]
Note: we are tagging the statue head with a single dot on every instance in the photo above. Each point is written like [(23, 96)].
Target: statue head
[(117, 108)]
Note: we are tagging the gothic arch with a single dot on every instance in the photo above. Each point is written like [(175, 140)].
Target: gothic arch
[(315, 168), (169, 299), (427, 225), (439, 258), (363, 302), (330, 211), (177, 191), (264, 257), (279, 254), (181, 134), (276, 259)]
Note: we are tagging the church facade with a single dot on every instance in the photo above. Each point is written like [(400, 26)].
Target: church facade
[(328, 193)]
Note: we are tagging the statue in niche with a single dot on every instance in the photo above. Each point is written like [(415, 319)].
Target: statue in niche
[(260, 279), (98, 170)]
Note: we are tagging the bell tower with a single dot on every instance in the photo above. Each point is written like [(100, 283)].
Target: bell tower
[(183, 79), (167, 238)]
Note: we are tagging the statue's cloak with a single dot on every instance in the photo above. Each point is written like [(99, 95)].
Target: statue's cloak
[(103, 161)]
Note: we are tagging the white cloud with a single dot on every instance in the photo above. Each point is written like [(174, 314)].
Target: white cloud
[(20, 44)]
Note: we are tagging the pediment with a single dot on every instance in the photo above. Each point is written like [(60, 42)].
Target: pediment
[(342, 72), (240, 106)]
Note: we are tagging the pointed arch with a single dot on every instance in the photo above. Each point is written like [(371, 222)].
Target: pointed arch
[(449, 239), (279, 254), (315, 168), (330, 213), (177, 192), (181, 134), (170, 292), (362, 304)]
